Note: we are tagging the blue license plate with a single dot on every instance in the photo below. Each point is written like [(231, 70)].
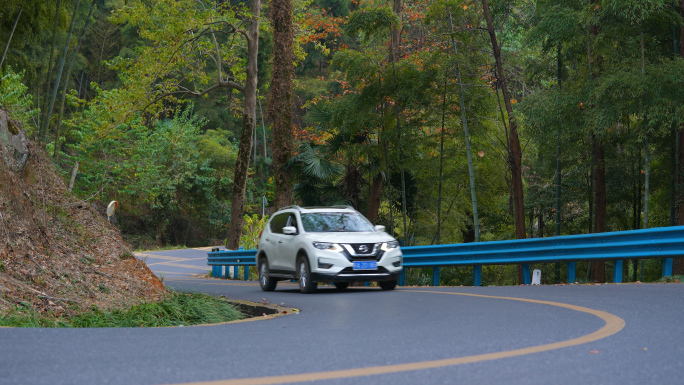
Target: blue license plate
[(365, 265)]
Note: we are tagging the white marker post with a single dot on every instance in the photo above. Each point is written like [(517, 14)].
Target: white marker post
[(536, 277)]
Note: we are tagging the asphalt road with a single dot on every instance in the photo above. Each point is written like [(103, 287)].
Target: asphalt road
[(588, 334)]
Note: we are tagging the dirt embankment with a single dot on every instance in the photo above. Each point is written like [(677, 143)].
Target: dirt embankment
[(57, 254)]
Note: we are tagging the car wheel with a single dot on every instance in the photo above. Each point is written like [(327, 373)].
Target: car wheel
[(306, 285), (387, 285), (341, 285), (265, 281)]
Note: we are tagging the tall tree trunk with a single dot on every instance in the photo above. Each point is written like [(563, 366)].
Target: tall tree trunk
[(67, 78), (53, 97), (248, 122), (389, 189), (590, 198), (279, 110), (681, 30), (374, 198), (559, 65), (678, 265), (647, 160), (515, 152), (74, 172), (647, 178), (9, 39), (639, 196), (394, 52), (49, 72), (636, 197), (558, 153), (464, 121), (396, 30), (598, 268), (263, 128), (441, 163), (636, 208)]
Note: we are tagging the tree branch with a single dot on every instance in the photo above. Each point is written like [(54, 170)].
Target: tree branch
[(220, 84)]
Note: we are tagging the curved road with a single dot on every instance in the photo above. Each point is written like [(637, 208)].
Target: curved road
[(600, 334)]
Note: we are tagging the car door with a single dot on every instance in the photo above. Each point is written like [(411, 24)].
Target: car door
[(281, 244), (288, 247), (273, 239)]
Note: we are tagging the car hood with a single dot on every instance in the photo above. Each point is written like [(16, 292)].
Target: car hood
[(353, 237)]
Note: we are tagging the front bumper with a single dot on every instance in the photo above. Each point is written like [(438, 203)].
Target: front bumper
[(338, 267), (348, 275)]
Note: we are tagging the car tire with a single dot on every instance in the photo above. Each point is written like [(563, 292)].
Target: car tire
[(387, 285), (306, 285), (341, 285), (265, 281)]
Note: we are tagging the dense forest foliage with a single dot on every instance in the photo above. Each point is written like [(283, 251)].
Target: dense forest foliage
[(447, 121)]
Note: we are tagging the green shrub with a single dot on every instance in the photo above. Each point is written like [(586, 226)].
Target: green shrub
[(15, 98), (251, 229)]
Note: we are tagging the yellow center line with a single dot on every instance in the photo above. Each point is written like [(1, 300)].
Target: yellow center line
[(228, 283), (613, 325), (172, 263), (177, 259), (168, 259), (180, 274), (237, 282), (159, 256), (207, 248)]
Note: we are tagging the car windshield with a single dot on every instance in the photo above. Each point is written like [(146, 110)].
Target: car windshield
[(335, 222)]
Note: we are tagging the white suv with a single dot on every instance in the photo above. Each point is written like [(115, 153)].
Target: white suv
[(326, 244)]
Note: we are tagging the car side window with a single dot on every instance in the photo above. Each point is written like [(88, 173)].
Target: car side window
[(292, 221), (278, 222)]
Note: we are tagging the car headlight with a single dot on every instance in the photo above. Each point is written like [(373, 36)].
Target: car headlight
[(387, 246), (327, 246)]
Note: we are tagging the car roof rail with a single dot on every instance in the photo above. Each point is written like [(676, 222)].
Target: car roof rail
[(343, 207), (347, 207), (290, 207)]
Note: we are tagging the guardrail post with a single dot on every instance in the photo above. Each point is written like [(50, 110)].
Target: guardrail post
[(245, 273), (617, 271), (435, 276), (667, 267), (402, 278), (216, 271), (226, 275), (571, 272), (526, 274), (477, 275)]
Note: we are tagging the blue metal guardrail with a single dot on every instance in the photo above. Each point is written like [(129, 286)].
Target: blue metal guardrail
[(663, 242)]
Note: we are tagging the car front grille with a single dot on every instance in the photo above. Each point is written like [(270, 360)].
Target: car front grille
[(363, 251)]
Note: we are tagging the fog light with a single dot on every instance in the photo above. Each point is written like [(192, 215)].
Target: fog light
[(323, 265)]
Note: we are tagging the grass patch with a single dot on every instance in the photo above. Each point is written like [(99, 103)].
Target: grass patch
[(174, 310), (672, 278)]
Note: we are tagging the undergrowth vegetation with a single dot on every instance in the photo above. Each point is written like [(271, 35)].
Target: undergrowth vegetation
[(176, 309)]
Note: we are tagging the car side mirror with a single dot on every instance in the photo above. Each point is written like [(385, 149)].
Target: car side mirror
[(379, 228), (289, 230)]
